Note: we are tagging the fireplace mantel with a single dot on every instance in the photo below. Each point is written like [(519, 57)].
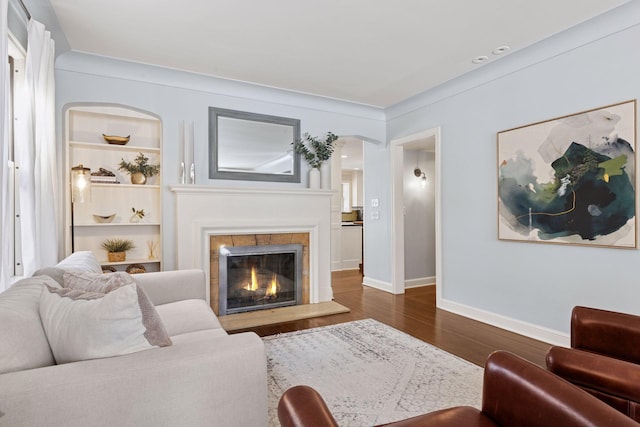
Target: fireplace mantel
[(203, 211)]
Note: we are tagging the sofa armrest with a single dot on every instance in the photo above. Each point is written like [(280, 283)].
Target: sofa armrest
[(606, 332), (201, 380), (517, 392), (169, 286), (302, 406), (596, 372)]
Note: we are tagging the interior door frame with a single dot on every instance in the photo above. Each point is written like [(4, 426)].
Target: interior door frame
[(397, 215)]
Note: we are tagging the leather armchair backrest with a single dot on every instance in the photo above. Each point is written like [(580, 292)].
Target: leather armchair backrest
[(519, 393), (606, 332)]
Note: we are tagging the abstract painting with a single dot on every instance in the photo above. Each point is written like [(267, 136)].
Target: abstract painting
[(570, 180)]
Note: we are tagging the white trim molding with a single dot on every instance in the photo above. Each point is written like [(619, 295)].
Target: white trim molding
[(397, 212), (377, 284), (420, 282), (203, 211), (517, 326)]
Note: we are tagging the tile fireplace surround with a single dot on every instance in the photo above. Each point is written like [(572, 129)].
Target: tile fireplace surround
[(209, 214)]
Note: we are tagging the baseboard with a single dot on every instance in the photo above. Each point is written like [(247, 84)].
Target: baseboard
[(346, 265), (378, 284), (530, 330), (419, 282)]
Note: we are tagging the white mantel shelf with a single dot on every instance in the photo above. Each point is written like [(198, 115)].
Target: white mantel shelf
[(203, 211)]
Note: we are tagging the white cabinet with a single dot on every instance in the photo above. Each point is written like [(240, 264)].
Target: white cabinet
[(350, 247), (84, 129)]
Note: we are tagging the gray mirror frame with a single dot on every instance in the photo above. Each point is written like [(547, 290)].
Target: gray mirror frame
[(215, 173)]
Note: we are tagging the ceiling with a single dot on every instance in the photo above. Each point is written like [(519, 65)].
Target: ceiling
[(373, 52)]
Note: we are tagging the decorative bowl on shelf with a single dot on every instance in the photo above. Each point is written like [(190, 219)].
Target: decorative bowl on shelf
[(116, 140), (103, 219), (136, 269)]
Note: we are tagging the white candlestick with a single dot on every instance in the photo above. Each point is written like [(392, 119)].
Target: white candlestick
[(193, 157), (183, 169)]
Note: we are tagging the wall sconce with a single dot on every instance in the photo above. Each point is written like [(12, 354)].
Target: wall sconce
[(423, 177), (80, 192)]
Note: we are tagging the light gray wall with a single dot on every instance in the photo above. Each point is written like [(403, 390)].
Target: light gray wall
[(591, 65), (419, 216), (534, 284), (176, 96)]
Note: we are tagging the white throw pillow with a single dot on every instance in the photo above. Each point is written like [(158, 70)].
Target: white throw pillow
[(23, 343), (105, 283), (82, 261), (89, 325)]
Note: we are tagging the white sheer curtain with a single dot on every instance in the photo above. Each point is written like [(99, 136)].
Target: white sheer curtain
[(6, 219), (36, 155)]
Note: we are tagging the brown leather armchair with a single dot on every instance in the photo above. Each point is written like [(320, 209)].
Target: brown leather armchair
[(604, 358), (515, 393)]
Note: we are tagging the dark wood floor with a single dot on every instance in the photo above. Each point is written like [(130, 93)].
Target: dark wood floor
[(415, 313)]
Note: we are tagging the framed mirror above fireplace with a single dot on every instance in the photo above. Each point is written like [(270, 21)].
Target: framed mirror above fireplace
[(252, 147)]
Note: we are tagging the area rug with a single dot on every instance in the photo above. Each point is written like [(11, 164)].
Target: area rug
[(369, 373)]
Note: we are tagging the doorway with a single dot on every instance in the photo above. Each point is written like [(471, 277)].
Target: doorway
[(426, 141), (349, 164)]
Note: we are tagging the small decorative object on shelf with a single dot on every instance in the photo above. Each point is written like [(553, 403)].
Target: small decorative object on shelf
[(116, 140), (108, 269), (153, 246), (136, 269), (117, 249), (137, 216), (315, 153), (104, 176), (103, 219), (140, 169)]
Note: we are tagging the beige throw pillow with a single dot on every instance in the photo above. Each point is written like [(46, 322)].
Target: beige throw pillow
[(89, 325), (105, 283)]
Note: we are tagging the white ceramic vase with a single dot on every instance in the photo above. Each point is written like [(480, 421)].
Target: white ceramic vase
[(314, 178), (325, 176)]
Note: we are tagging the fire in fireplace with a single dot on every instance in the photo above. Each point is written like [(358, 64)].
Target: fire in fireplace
[(259, 277)]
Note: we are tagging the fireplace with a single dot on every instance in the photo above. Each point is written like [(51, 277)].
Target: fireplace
[(259, 277), (208, 217)]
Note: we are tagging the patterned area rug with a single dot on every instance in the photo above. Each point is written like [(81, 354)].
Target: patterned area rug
[(369, 373)]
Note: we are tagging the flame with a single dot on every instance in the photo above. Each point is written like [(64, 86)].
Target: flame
[(253, 285), (272, 289)]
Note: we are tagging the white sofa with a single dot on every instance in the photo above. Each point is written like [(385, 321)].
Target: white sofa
[(206, 377)]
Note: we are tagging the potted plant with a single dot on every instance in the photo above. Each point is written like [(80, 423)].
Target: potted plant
[(140, 169), (117, 249), (315, 152)]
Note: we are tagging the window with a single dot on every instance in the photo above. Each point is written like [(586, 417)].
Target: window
[(16, 67)]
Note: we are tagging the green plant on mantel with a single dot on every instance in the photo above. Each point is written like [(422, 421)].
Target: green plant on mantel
[(117, 245), (314, 150)]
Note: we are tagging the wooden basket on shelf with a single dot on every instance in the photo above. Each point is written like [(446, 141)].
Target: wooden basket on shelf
[(136, 269), (116, 256), (108, 269)]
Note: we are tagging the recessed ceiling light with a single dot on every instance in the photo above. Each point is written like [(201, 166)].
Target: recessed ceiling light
[(480, 59), (500, 50), (344, 156)]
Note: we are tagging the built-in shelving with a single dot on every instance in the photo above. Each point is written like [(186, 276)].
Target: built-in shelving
[(84, 129)]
